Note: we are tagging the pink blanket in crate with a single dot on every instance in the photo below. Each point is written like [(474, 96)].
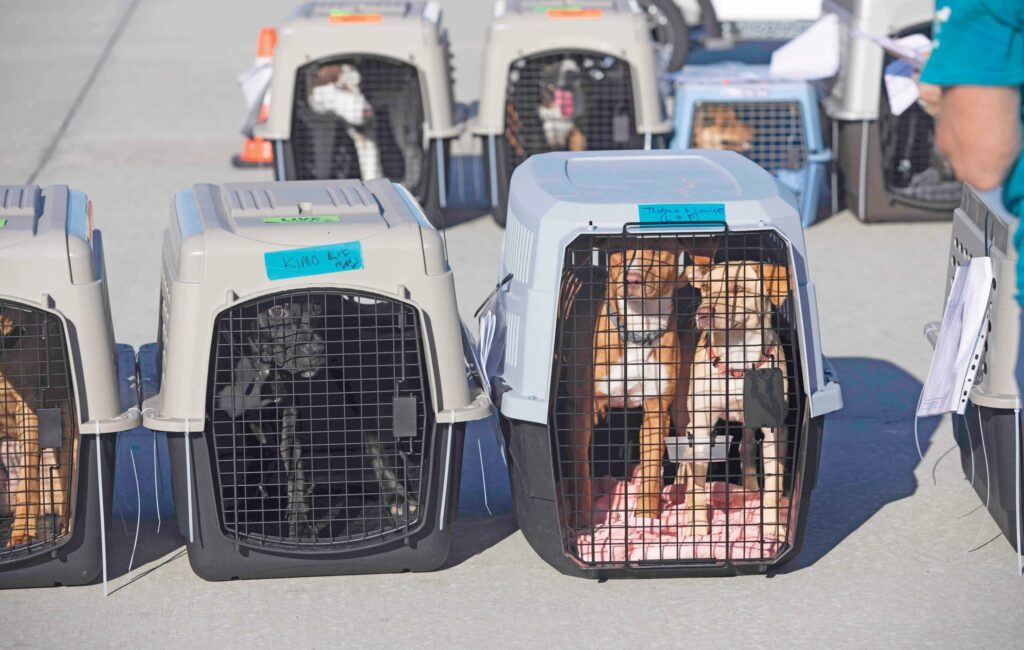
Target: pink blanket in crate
[(618, 535)]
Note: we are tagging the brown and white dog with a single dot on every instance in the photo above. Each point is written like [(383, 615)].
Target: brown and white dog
[(19, 433), (734, 317), (720, 128), (635, 360)]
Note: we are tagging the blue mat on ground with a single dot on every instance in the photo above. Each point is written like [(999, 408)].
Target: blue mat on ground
[(145, 486), (485, 489)]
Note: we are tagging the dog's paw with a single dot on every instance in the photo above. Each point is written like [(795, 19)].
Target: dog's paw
[(49, 525), (19, 537), (699, 526), (774, 531), (750, 483), (404, 508)]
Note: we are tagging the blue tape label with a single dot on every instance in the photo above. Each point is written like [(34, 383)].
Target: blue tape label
[(316, 260), (682, 212)]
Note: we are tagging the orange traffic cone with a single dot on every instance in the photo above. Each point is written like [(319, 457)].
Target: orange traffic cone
[(257, 152)]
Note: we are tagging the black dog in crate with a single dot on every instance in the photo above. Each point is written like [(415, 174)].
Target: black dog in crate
[(314, 388)]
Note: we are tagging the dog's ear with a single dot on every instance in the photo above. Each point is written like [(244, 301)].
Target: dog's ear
[(699, 270), (775, 280)]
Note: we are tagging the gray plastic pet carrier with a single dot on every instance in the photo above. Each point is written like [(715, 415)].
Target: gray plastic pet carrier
[(314, 384), (888, 168), (362, 89), (565, 76), (988, 434), (56, 438), (662, 387)]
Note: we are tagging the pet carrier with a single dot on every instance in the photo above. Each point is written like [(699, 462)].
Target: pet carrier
[(561, 76), (59, 398), (314, 385), (362, 89), (888, 168), (774, 123), (988, 434), (675, 312)]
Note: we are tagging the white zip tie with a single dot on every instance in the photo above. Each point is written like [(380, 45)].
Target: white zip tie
[(138, 514), (156, 484), (447, 467), (103, 518), (483, 475), (1020, 531), (988, 484), (188, 480)]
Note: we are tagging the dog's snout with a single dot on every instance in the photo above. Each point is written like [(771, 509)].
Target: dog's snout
[(705, 311), (634, 277)]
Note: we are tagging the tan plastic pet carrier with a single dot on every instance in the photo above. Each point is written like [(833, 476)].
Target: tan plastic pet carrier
[(314, 382), (363, 90), (59, 399), (565, 76), (989, 434)]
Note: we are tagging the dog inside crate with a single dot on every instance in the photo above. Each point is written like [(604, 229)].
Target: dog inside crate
[(677, 397), (320, 418), (37, 441), (912, 165), (771, 133), (569, 101), (359, 117)]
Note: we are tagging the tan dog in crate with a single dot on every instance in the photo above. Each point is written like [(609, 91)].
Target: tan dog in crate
[(634, 363), (19, 437), (736, 335), (719, 127)]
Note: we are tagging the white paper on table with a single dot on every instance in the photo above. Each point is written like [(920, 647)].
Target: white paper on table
[(900, 86), (812, 55), (954, 365), (255, 83)]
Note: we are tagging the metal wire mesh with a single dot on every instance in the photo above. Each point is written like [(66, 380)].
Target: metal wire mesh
[(911, 165), (38, 436), (319, 417), (771, 133), (678, 406), (569, 100), (359, 117)]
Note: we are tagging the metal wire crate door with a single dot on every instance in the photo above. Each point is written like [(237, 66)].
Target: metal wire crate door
[(320, 419), (38, 436), (662, 456), (359, 117), (771, 133), (574, 101)]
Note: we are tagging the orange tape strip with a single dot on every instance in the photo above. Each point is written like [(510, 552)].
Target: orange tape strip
[(356, 18), (575, 13)]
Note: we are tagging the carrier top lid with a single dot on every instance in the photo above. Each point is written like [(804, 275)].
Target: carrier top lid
[(51, 225), (726, 73), (564, 8), (297, 213), (646, 177), (368, 11)]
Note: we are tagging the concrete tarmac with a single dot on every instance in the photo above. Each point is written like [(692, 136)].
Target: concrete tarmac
[(886, 561)]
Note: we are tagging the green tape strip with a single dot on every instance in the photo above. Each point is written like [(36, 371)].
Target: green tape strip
[(332, 218)]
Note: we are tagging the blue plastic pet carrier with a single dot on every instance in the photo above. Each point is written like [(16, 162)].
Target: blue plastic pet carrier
[(775, 123)]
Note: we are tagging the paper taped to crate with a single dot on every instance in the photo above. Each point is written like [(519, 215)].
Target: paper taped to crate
[(957, 349), (255, 84), (812, 55)]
